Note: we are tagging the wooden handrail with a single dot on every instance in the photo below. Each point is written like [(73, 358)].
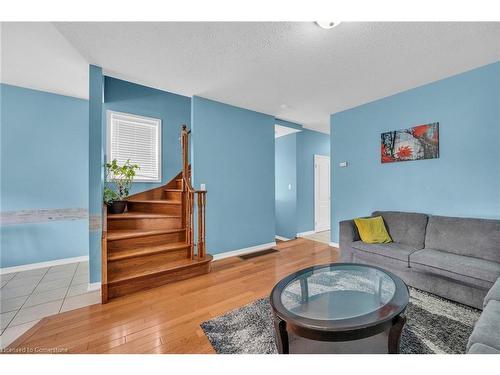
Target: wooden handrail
[(188, 193)]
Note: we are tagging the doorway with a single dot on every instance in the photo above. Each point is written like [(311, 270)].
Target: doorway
[(321, 193)]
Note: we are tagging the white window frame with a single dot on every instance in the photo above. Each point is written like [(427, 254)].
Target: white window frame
[(157, 122)]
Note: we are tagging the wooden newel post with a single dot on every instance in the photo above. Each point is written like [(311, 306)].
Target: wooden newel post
[(188, 194), (191, 223), (201, 224)]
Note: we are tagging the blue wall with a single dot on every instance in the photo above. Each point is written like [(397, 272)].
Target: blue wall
[(44, 165), (174, 110), (464, 181), (234, 156), (95, 167), (295, 209), (288, 124), (309, 143), (286, 173)]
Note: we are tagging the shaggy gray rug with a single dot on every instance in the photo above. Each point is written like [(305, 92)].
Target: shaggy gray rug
[(433, 325)]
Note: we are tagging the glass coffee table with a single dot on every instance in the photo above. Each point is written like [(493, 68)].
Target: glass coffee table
[(339, 308)]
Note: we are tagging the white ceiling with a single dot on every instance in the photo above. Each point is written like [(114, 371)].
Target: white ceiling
[(295, 71), (280, 131), (36, 56)]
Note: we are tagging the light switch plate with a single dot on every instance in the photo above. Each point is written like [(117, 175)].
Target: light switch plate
[(343, 164)]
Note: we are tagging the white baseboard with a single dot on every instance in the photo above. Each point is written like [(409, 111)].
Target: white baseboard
[(322, 230), (308, 233), (50, 263), (94, 286), (246, 250), (334, 244), (282, 238)]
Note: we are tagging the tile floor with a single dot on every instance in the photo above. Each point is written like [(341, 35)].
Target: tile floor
[(320, 236), (28, 296)]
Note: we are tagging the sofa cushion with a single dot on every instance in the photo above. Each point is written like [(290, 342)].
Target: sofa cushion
[(470, 270), (487, 328), (479, 238), (493, 293), (406, 228), (478, 348), (391, 250), (372, 230)]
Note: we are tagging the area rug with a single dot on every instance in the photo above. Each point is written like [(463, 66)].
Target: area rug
[(433, 325)]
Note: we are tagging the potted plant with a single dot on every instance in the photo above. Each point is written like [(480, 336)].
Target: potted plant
[(119, 178)]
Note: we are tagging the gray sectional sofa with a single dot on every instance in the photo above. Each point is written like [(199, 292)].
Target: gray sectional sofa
[(485, 338), (455, 258)]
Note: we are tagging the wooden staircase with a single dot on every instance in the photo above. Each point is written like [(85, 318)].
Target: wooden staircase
[(152, 243)]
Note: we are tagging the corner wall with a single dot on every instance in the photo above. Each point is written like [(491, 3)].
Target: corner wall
[(233, 154), (96, 170), (463, 181), (286, 174), (295, 165), (309, 143)]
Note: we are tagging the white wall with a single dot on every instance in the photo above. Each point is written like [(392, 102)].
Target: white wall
[(36, 56)]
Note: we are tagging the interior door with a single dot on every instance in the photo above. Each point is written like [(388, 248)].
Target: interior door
[(321, 193)]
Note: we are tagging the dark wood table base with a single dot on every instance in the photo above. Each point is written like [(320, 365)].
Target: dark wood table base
[(392, 337)]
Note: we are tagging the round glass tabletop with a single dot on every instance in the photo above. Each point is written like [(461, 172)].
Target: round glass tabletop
[(338, 291)]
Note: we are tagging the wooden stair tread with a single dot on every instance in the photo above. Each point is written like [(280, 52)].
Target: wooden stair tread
[(146, 269), (113, 235), (144, 251), (139, 215), (174, 190), (157, 201)]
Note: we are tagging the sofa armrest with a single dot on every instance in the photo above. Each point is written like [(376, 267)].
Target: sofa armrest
[(348, 232), (347, 235), (493, 293)]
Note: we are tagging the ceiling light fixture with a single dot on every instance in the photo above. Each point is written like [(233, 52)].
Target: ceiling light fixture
[(327, 24)]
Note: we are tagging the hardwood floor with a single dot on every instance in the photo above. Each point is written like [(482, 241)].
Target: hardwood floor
[(167, 319)]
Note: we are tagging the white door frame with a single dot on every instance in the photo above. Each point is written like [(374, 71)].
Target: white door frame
[(316, 194)]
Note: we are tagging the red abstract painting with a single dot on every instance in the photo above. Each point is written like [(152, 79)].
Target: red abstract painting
[(419, 142)]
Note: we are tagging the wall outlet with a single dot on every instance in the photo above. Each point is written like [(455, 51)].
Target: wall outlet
[(343, 164), (289, 186), (203, 187)]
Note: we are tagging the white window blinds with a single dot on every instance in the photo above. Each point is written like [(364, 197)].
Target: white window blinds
[(136, 138)]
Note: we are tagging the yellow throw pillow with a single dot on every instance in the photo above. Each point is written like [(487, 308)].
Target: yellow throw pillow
[(372, 230)]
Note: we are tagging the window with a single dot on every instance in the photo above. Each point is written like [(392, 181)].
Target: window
[(136, 138)]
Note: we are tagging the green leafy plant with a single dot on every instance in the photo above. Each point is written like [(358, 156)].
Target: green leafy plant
[(119, 179), (110, 195)]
